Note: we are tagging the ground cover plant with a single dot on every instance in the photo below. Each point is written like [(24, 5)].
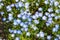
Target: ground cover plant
[(30, 19)]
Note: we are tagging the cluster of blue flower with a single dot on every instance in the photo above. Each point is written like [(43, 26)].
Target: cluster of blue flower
[(25, 19)]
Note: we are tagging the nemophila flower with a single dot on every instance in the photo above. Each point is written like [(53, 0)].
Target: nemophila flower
[(27, 33), (37, 15), (1, 4), (36, 21), (57, 26), (10, 15), (50, 21), (35, 28), (12, 5), (8, 8), (47, 24), (34, 17), (40, 14), (24, 17), (49, 15), (46, 13), (4, 19), (12, 35), (50, 10), (11, 31), (0, 0), (40, 9), (26, 5), (54, 30), (25, 25), (46, 2), (16, 0), (26, 29), (15, 23), (57, 11), (49, 37), (29, 19), (17, 38), (44, 18), (21, 24), (15, 31), (19, 31), (10, 18), (56, 3), (50, 18), (16, 5), (20, 4), (19, 15), (56, 17), (37, 35), (18, 21), (52, 15), (2, 13), (41, 34)]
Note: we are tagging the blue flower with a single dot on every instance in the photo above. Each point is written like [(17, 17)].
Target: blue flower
[(10, 18), (48, 37), (19, 31), (17, 38), (18, 21), (26, 29), (21, 24), (40, 9), (44, 18), (4, 19), (36, 21)]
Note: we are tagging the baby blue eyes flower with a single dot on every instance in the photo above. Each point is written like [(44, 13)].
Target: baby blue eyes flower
[(17, 38), (47, 24), (56, 17), (56, 3), (44, 18), (24, 17), (8, 8), (16, 0), (41, 34), (40, 14), (28, 34), (56, 26), (19, 32), (4, 19), (10, 15), (19, 15), (25, 25), (26, 5), (2, 13), (20, 4), (40, 9), (46, 13), (50, 10), (46, 2), (18, 21), (36, 21), (26, 29), (49, 37), (12, 5), (54, 30), (21, 24), (57, 11), (10, 18)]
